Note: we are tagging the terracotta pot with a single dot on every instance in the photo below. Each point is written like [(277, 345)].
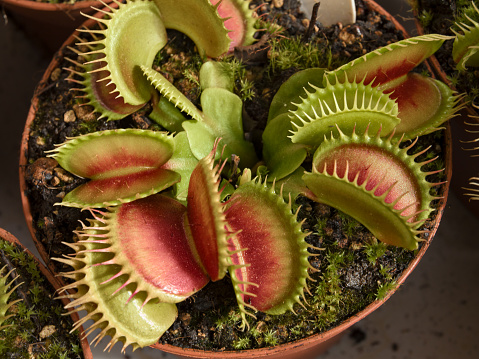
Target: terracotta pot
[(303, 348), (465, 166), (49, 23), (56, 285)]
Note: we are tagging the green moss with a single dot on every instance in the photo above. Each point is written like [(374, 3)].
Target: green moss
[(37, 311), (294, 53), (270, 338), (465, 11), (241, 343), (320, 227), (425, 18), (87, 127), (384, 289), (243, 85), (374, 251)]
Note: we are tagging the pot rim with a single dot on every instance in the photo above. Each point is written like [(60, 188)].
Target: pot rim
[(44, 6), (292, 347), (56, 285)]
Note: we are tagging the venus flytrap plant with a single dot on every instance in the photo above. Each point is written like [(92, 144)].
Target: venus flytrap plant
[(473, 189), (112, 80), (374, 91), (269, 250), (388, 69), (105, 304), (119, 54), (129, 164), (172, 219), (466, 43), (112, 264), (348, 105), (308, 125), (6, 291), (31, 324)]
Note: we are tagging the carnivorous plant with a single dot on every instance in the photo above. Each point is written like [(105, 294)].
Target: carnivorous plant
[(5, 293), (167, 217)]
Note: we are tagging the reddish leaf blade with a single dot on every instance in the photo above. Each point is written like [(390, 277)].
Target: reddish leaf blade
[(389, 62), (108, 154), (273, 244), (424, 104), (103, 95), (380, 171), (206, 218), (151, 237), (239, 21), (112, 191), (374, 181)]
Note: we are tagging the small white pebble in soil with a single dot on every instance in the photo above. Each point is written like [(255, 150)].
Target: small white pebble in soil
[(69, 116), (55, 74), (278, 3), (40, 141), (47, 331)]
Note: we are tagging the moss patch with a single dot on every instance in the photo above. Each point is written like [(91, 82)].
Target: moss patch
[(39, 328)]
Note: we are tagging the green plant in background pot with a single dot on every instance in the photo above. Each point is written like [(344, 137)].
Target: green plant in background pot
[(465, 54), (193, 203), (457, 63), (32, 323)]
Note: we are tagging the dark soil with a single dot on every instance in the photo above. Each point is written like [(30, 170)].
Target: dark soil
[(39, 326), (209, 319)]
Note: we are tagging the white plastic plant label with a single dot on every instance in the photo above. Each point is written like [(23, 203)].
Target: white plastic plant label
[(332, 11)]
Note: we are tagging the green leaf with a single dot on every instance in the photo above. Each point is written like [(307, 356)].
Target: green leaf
[(465, 48), (120, 314), (6, 291), (424, 104), (282, 156), (215, 74), (182, 162), (223, 119), (170, 92), (293, 89), (133, 36), (167, 115), (200, 21), (351, 106)]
